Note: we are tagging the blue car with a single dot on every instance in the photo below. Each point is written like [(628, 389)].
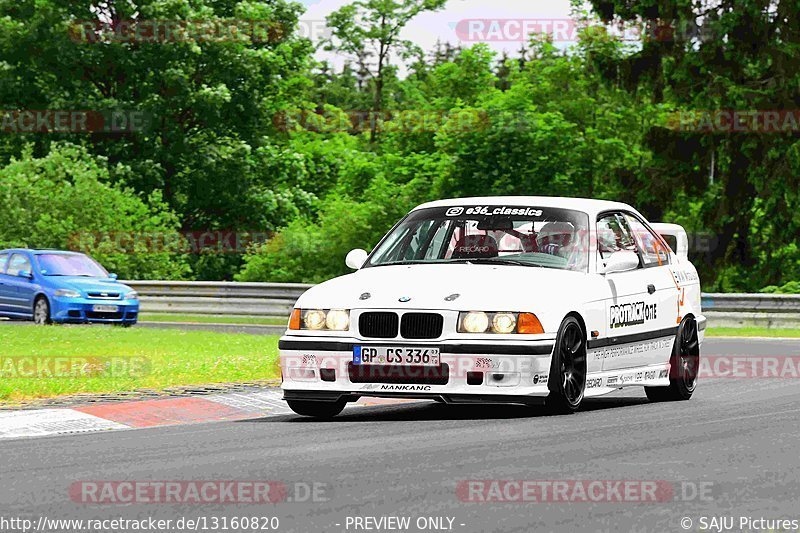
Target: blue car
[(50, 286)]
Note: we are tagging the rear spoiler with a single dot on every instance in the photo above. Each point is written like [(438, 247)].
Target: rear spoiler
[(675, 236)]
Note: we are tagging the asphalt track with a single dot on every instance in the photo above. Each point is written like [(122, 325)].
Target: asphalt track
[(736, 440)]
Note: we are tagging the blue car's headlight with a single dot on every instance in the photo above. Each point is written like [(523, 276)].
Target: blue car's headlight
[(68, 293), (133, 295)]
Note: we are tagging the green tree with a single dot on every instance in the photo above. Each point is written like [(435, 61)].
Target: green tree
[(370, 30)]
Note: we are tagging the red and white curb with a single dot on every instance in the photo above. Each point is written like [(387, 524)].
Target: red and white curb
[(150, 413)]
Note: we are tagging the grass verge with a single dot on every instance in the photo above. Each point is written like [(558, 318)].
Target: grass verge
[(752, 332), (213, 319), (41, 362)]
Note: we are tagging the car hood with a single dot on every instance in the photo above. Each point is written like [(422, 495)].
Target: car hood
[(84, 284), (479, 287)]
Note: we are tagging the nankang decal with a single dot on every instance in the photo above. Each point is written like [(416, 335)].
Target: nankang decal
[(406, 387), (631, 314)]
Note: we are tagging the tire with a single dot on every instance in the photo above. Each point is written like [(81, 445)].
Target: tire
[(316, 409), (567, 382), (683, 366), (41, 312)]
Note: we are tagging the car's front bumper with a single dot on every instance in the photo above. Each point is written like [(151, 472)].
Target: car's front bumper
[(84, 310), (321, 368)]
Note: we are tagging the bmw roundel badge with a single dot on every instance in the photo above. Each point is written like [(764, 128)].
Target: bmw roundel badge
[(404, 299)]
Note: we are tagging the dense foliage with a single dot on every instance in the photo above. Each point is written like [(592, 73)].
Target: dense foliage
[(254, 135)]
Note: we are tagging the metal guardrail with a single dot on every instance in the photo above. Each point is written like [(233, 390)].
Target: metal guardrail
[(271, 300), (275, 300), (752, 310)]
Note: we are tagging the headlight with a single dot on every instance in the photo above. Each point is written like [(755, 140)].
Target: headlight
[(320, 319), (338, 320), (314, 319), (474, 322), (502, 323), (133, 295), (68, 293)]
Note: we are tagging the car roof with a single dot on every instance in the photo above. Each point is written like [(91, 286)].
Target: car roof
[(39, 251), (587, 205)]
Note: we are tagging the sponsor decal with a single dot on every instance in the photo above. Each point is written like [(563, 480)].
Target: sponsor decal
[(472, 249), (683, 276), (650, 375), (662, 374), (631, 314), (594, 383), (406, 388), (626, 378), (639, 376), (540, 378), (491, 210), (611, 380), (486, 362)]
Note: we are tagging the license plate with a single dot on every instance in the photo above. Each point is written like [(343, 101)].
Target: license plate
[(105, 308), (403, 356)]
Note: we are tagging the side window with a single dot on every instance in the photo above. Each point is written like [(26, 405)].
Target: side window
[(3, 262), (653, 250), (613, 235), (19, 263)]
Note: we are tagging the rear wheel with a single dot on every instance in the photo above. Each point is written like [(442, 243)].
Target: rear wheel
[(683, 366), (316, 409), (41, 311), (568, 369)]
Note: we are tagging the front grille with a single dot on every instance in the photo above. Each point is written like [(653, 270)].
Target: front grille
[(378, 325), (421, 326), (103, 295), (103, 316), (402, 375)]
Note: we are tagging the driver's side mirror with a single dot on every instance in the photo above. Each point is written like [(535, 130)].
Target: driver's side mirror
[(356, 258), (25, 274), (112, 276), (621, 261)]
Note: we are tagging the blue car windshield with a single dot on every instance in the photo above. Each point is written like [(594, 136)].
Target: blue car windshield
[(70, 265)]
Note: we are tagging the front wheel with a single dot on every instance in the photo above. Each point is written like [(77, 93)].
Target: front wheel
[(568, 369), (683, 366), (316, 409), (41, 311)]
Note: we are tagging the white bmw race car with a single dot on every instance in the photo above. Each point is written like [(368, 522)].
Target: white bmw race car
[(502, 300)]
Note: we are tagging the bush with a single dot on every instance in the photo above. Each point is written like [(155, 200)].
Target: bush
[(312, 251), (64, 200)]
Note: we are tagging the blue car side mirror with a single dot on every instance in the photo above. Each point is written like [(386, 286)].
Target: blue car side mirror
[(25, 274), (112, 276)]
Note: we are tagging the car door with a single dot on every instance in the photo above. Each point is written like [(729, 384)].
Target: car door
[(5, 288), (635, 309), (22, 288)]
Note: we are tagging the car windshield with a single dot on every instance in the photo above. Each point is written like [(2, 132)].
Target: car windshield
[(70, 265), (493, 234)]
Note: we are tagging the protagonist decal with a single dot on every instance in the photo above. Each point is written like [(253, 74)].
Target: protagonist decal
[(631, 314)]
